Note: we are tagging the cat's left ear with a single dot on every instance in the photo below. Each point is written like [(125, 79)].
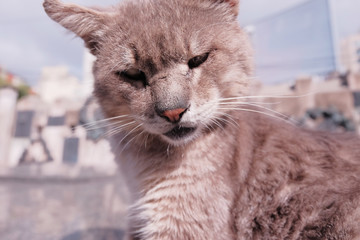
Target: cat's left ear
[(89, 24), (233, 4)]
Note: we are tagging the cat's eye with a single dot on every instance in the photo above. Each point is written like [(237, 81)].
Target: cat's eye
[(198, 60), (134, 75)]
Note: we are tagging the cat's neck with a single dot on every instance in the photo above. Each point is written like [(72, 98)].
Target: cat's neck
[(146, 161)]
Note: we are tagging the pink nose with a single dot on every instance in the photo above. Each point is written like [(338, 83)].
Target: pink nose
[(173, 115)]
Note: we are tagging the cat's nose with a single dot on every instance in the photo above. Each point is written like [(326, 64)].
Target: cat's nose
[(173, 115)]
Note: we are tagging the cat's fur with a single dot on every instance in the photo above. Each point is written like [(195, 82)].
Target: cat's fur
[(240, 174)]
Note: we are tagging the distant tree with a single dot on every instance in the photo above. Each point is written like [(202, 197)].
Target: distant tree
[(23, 90), (3, 83)]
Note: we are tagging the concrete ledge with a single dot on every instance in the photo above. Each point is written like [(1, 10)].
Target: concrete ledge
[(51, 173)]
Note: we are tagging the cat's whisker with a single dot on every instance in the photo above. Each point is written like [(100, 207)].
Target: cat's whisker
[(118, 129), (108, 132), (232, 100), (124, 147), (137, 135), (121, 130), (220, 102), (214, 121), (270, 96), (270, 110), (168, 150), (232, 123), (228, 116), (105, 125), (207, 126), (103, 120), (259, 106), (113, 132), (130, 132), (226, 121), (147, 136), (260, 112), (211, 127)]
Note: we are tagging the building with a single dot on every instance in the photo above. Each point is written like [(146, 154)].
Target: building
[(333, 104), (56, 83), (8, 98), (46, 129), (350, 53)]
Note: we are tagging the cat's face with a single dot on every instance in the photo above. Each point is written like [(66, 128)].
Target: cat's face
[(164, 65)]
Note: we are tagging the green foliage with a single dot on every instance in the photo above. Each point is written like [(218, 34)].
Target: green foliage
[(3, 83), (23, 90)]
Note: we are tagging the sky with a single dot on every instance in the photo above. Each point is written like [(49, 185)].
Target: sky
[(29, 40)]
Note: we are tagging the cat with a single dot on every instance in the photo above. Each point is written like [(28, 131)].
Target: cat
[(201, 161)]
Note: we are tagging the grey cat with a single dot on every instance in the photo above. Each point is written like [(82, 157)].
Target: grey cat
[(201, 162)]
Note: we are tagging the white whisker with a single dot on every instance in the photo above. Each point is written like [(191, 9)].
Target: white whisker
[(254, 111), (262, 107), (118, 129), (147, 136), (229, 117), (104, 120), (268, 96), (139, 125), (260, 103), (216, 123), (168, 150), (106, 125), (134, 136), (226, 121), (142, 132), (207, 126)]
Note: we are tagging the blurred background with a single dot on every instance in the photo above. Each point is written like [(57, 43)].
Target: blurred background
[(57, 177)]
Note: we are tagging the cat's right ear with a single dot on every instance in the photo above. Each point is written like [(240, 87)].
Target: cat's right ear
[(89, 24)]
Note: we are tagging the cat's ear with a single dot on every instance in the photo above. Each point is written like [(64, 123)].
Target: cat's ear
[(233, 4), (89, 24)]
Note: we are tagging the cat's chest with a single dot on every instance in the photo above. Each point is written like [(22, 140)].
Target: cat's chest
[(185, 171), (183, 203), (187, 190)]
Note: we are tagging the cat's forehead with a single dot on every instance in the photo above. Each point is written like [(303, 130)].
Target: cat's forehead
[(162, 20), (174, 12), (158, 34)]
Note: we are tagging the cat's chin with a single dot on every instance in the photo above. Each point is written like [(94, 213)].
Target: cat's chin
[(180, 135)]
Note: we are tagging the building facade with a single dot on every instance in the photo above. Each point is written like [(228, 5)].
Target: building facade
[(350, 53)]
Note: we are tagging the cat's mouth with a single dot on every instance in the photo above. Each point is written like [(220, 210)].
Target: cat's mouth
[(180, 132)]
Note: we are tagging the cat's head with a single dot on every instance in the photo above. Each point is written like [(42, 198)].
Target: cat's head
[(164, 65)]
